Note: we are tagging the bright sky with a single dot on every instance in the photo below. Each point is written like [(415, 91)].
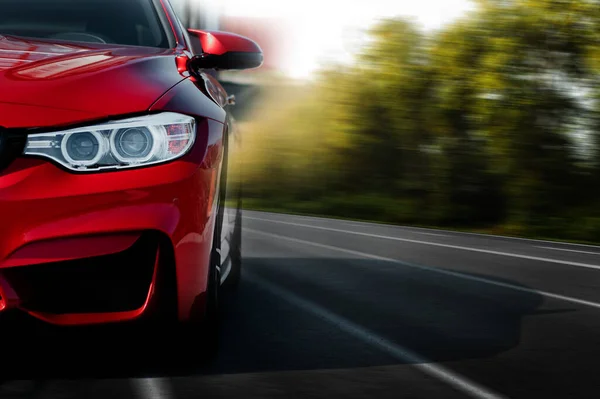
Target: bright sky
[(325, 30)]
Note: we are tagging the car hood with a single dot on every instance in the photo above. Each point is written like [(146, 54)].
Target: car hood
[(50, 83)]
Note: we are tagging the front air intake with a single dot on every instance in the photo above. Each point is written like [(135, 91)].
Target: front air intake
[(104, 284)]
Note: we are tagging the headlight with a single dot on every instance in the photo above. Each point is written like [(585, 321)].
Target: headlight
[(126, 143)]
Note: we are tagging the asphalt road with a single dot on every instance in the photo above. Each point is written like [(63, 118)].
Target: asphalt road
[(355, 310)]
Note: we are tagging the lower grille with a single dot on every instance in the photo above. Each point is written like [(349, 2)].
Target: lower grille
[(112, 283)]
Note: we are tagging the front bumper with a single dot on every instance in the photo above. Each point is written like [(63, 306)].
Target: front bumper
[(81, 249)]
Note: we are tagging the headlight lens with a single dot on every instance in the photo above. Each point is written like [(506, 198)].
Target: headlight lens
[(126, 143), (134, 144)]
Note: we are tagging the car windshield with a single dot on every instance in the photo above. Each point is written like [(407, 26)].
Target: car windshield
[(127, 22)]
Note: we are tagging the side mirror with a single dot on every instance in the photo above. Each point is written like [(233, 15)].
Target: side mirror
[(224, 50)]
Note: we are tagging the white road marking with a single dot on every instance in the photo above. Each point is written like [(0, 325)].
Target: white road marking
[(409, 228), (398, 352), (430, 234), (433, 269), (570, 250), (362, 225), (436, 244), (152, 388), (413, 232)]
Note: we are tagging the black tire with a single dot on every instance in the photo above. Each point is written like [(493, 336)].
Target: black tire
[(192, 344), (212, 317), (207, 331), (235, 275), (196, 342), (201, 338)]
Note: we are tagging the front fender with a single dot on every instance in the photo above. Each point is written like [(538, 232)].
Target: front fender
[(190, 97)]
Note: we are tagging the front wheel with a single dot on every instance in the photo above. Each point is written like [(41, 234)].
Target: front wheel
[(201, 338), (235, 275), (196, 342)]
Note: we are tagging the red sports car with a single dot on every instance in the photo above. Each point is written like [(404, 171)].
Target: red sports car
[(114, 163)]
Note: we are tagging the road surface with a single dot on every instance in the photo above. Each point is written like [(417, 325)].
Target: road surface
[(332, 308)]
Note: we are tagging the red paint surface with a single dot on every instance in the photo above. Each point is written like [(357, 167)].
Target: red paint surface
[(49, 214), (69, 248), (79, 82), (219, 43)]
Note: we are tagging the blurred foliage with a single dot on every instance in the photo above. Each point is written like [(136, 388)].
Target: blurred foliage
[(491, 122)]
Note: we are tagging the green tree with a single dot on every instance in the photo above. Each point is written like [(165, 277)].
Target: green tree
[(492, 121)]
